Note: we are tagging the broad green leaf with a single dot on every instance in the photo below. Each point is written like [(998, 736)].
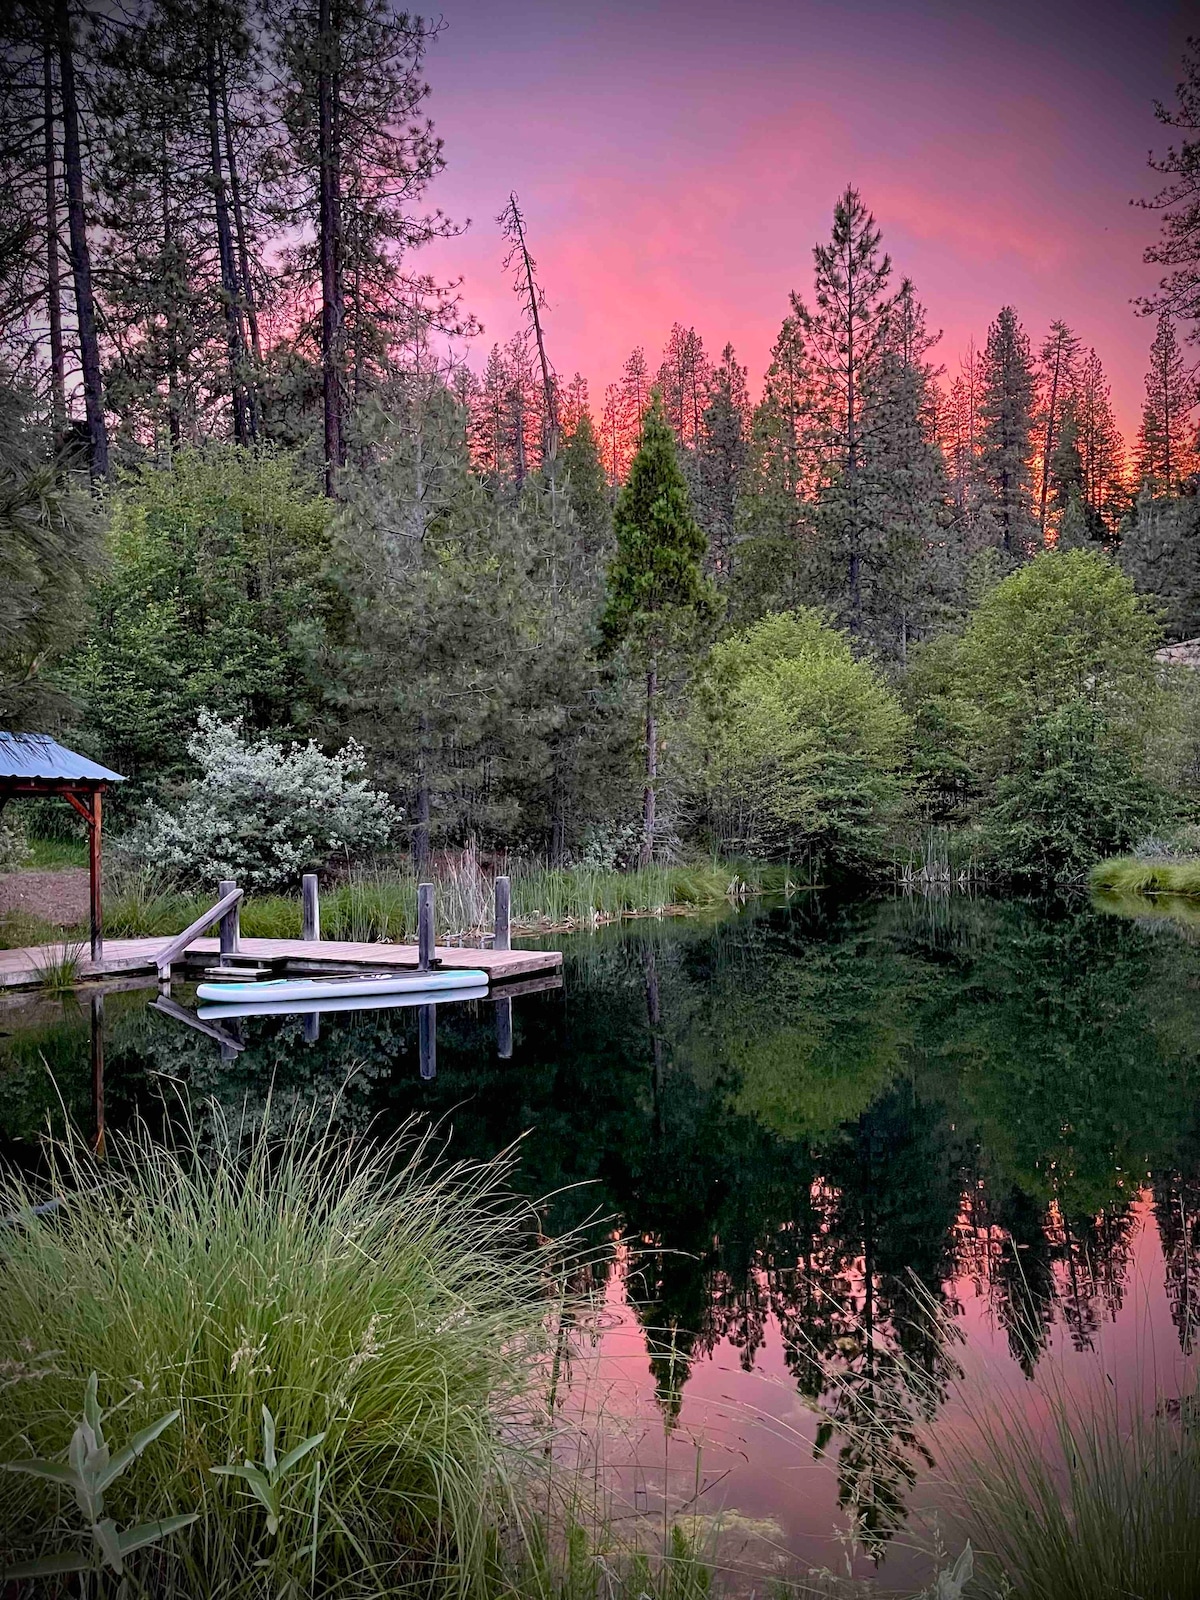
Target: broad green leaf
[(56, 1471), (47, 1566), (106, 1536), (299, 1453), (91, 1407), (133, 1449), (268, 1440), (148, 1532)]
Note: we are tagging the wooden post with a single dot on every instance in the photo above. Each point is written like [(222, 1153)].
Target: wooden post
[(427, 1024), (98, 1073), (312, 1027), (504, 1031), (230, 925), (502, 935), (310, 914), (425, 943), (96, 918)]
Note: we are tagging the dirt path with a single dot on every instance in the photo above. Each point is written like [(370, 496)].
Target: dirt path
[(60, 897)]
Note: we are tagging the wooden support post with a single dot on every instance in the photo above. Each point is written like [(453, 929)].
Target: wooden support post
[(425, 930), (98, 1073), (502, 934), (504, 1029), (230, 925), (96, 917), (312, 1027), (310, 912), (427, 1025)]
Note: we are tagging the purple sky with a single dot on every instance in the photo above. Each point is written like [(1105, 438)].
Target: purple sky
[(678, 161)]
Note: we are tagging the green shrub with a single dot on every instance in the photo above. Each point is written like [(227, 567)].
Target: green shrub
[(798, 746), (364, 1293)]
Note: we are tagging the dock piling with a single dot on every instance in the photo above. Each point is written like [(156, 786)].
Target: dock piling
[(425, 929), (502, 934), (310, 915), (231, 923), (427, 1041), (504, 1029)]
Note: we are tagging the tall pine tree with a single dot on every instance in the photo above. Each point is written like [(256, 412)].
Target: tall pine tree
[(1006, 433)]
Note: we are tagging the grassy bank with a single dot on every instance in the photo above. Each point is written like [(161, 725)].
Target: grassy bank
[(393, 1310), (1126, 875)]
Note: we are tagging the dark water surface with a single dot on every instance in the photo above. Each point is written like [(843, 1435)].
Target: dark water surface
[(814, 1125)]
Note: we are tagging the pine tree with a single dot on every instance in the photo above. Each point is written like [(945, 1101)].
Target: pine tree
[(658, 599), (1006, 432), (587, 490), (1101, 447), (1058, 370), (357, 154), (960, 433), (683, 380), (845, 333), (1164, 449), (1178, 294), (721, 460)]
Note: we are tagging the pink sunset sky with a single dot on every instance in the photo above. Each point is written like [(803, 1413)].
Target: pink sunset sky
[(677, 162)]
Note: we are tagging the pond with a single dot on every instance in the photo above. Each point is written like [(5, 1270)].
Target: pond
[(843, 1144)]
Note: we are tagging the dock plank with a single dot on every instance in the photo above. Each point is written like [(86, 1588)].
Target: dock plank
[(19, 968)]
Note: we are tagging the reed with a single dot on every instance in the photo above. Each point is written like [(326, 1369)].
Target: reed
[(57, 969), (367, 1293)]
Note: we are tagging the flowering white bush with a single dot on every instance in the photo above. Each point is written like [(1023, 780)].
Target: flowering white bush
[(263, 814)]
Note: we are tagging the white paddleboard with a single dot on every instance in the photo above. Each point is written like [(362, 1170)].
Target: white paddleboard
[(362, 1002), (336, 988)]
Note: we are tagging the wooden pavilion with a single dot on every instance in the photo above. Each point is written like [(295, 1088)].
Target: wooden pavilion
[(33, 765)]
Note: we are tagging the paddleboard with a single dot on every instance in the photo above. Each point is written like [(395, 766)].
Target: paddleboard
[(332, 987), (362, 1002)]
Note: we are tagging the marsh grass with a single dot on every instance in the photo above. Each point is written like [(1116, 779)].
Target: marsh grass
[(392, 1302), (371, 905), (1130, 875), (1097, 1500), (57, 969)]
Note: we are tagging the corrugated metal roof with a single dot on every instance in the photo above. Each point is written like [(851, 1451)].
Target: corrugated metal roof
[(37, 755)]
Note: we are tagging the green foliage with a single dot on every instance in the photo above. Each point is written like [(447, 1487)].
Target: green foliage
[(49, 543), (799, 746), (1131, 875), (213, 597), (360, 1292), (587, 489), (1096, 1500), (657, 592), (90, 1471), (262, 814)]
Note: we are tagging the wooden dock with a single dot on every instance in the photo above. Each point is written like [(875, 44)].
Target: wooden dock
[(21, 969)]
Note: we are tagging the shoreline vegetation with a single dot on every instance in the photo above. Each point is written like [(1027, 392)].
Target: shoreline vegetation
[(380, 904), (1178, 877)]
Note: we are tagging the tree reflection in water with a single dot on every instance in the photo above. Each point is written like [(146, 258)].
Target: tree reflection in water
[(831, 1120)]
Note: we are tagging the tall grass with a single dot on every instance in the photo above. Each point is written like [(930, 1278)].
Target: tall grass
[(381, 904), (1135, 875), (364, 1292), (1097, 1502)]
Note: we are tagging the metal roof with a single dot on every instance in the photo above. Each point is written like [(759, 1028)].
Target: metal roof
[(37, 755)]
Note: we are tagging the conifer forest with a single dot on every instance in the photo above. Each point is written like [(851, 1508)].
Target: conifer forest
[(261, 463), (712, 495)]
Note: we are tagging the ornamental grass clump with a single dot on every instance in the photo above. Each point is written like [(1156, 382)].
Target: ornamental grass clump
[(388, 1305)]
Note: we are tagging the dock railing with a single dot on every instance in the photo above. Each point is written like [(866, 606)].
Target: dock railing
[(194, 930)]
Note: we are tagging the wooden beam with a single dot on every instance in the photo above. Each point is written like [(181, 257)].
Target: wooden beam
[(310, 913), (230, 931), (502, 926), (176, 946)]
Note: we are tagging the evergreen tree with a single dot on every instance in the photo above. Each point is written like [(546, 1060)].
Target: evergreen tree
[(960, 438), (1058, 371), (1178, 294), (658, 599), (1101, 447), (587, 490), (721, 460), (1160, 550), (845, 333), (1165, 456), (1006, 432), (683, 380)]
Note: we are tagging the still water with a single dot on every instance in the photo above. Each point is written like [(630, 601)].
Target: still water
[(843, 1144)]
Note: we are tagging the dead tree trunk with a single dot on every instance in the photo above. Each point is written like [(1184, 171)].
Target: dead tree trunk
[(330, 241), (229, 284), (58, 381)]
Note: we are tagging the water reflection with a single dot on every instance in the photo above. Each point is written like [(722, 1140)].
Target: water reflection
[(826, 1130)]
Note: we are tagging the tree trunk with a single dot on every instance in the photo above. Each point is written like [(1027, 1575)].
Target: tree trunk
[(174, 427), (247, 308), (58, 381), (647, 851), (1048, 445), (421, 831), (229, 285), (81, 256), (330, 242)]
